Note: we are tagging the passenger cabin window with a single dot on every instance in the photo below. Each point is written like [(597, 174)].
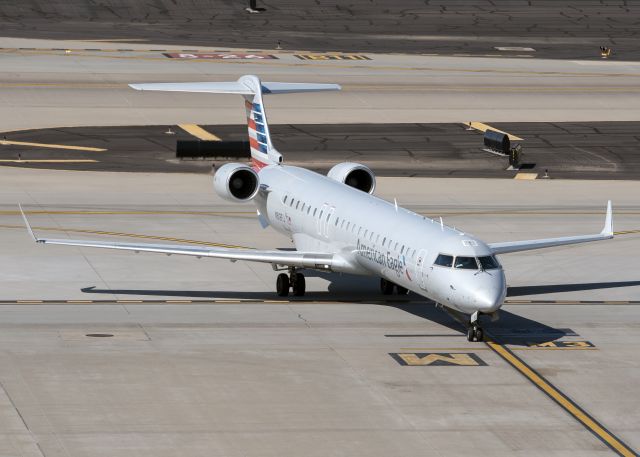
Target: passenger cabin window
[(488, 262), (297, 204), (315, 210), (466, 263), (284, 200), (302, 209), (444, 260), (308, 209)]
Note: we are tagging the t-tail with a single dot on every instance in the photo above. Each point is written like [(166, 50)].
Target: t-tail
[(263, 152)]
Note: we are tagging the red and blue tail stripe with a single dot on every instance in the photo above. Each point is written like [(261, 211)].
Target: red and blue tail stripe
[(259, 141)]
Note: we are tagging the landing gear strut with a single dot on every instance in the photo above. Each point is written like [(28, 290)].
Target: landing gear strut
[(294, 281), (474, 331), (386, 287)]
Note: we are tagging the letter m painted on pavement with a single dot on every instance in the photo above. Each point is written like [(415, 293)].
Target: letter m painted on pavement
[(438, 359)]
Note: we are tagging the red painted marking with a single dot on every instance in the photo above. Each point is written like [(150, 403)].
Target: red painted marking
[(257, 165), (252, 124), (254, 143), (219, 55), (248, 105)]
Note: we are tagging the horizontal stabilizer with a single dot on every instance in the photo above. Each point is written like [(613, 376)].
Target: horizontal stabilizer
[(237, 87)]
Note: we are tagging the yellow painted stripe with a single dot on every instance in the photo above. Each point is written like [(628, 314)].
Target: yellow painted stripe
[(198, 132), (562, 400), (484, 127), (526, 176), (51, 146)]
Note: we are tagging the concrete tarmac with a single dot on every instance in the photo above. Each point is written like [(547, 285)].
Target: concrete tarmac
[(341, 372), (46, 87)]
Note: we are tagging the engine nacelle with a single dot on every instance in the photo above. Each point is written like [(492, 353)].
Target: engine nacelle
[(236, 182), (354, 175)]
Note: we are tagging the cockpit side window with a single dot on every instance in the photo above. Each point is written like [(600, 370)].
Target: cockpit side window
[(488, 262), (466, 263), (444, 260)]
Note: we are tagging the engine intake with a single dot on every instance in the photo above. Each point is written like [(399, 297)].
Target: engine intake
[(354, 175), (236, 182)]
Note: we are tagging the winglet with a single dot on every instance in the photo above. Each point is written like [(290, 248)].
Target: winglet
[(26, 223), (608, 222)]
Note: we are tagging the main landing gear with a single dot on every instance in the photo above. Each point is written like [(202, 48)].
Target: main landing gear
[(386, 287), (474, 331), (294, 281)]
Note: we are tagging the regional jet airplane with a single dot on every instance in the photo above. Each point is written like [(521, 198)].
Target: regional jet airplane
[(337, 224)]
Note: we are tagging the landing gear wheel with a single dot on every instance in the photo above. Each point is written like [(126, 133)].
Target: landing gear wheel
[(298, 285), (471, 334), (386, 287), (282, 285), (402, 290), (475, 333)]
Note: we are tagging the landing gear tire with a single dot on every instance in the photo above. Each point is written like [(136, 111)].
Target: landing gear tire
[(386, 287), (402, 290), (282, 285), (471, 334), (475, 333), (298, 285)]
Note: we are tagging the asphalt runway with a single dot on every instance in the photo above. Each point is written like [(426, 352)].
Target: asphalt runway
[(203, 356), (596, 150), (566, 30)]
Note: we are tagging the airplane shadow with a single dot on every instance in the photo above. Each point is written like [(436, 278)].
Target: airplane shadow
[(509, 329), (519, 291)]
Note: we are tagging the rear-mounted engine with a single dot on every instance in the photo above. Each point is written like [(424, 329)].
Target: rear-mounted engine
[(236, 182), (354, 175)]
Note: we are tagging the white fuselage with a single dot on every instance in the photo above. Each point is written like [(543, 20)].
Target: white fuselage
[(375, 237)]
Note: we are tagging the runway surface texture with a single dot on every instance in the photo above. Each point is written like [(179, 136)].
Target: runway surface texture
[(580, 150), (569, 29), (47, 87), (205, 357)]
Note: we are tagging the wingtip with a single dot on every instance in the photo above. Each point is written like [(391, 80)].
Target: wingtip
[(608, 223), (27, 225)]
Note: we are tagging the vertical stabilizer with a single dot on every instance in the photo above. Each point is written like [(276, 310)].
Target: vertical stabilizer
[(251, 88), (262, 151)]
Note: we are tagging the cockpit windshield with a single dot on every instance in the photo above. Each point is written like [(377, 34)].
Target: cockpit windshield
[(488, 262), (466, 263)]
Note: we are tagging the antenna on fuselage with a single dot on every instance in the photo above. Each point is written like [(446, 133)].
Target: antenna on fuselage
[(441, 224), (395, 202)]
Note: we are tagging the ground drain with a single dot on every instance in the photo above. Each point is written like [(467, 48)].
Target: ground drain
[(99, 335)]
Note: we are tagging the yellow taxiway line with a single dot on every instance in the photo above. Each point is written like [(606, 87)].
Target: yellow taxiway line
[(484, 127), (198, 132), (561, 399), (50, 146)]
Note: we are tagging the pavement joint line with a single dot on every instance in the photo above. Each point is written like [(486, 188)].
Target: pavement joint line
[(198, 132), (48, 161), (50, 146), (561, 399), (297, 301)]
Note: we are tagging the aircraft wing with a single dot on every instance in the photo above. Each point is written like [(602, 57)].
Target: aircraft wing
[(517, 246), (288, 258)]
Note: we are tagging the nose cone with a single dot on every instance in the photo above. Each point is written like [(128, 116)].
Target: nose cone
[(490, 294)]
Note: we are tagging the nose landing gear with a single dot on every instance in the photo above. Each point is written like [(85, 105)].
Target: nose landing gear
[(294, 281), (474, 331)]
